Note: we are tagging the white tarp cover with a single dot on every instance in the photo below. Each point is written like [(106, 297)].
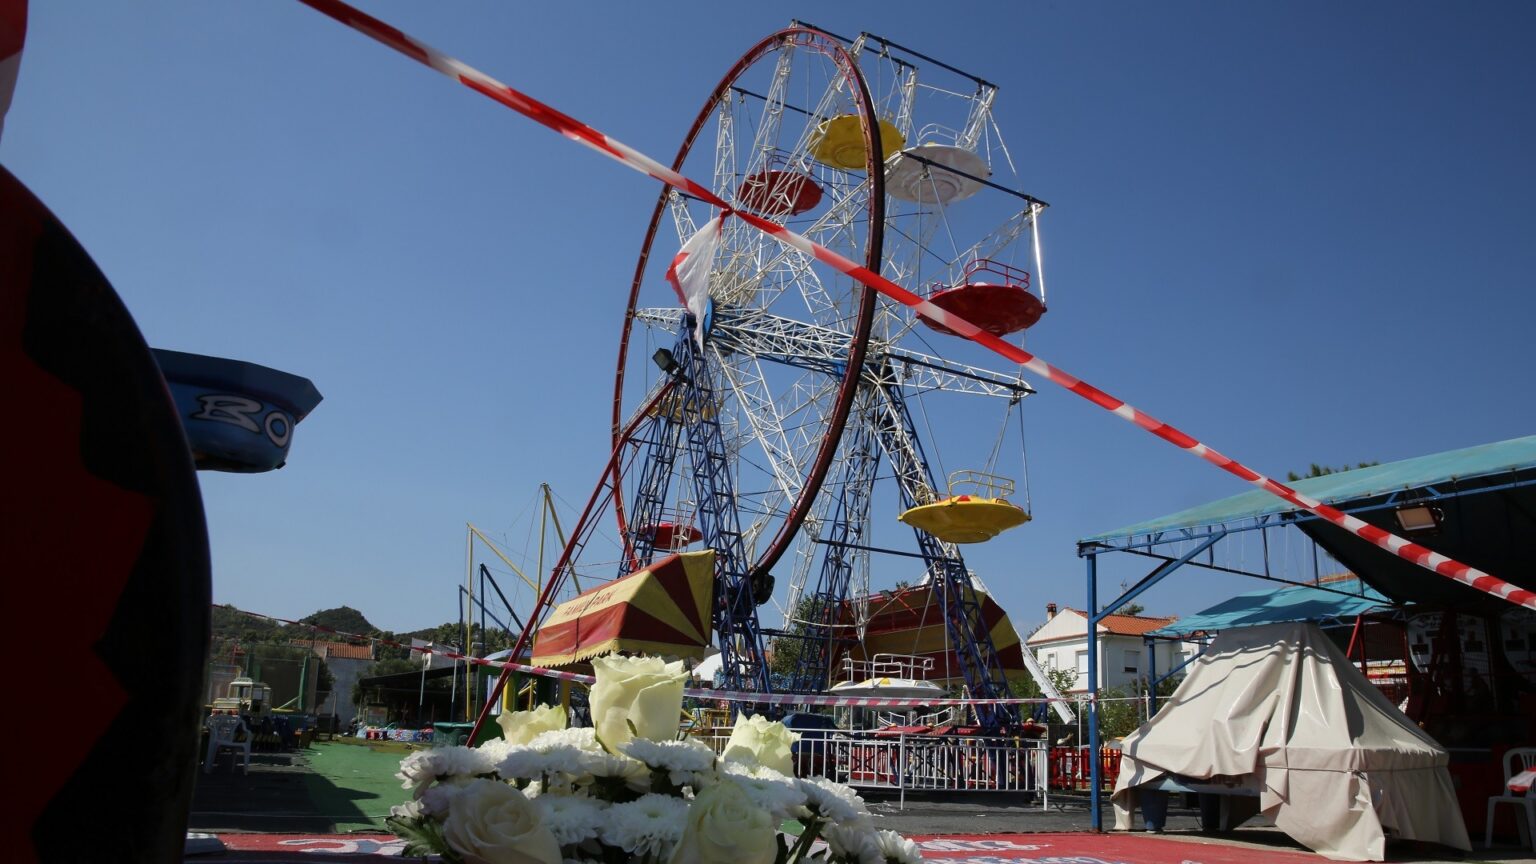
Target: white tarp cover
[(1280, 708)]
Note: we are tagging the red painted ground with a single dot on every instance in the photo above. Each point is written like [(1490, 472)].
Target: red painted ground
[(950, 849)]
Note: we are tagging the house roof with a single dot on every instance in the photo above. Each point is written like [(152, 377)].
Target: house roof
[(1132, 625), (337, 650), (1116, 625)]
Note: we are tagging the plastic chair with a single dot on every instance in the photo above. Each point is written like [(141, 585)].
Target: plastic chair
[(1525, 757), (227, 732)]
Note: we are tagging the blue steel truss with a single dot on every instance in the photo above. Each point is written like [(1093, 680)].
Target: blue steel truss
[(842, 538), (967, 630), (688, 422)]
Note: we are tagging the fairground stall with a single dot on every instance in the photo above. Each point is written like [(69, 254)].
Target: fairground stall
[(1459, 663)]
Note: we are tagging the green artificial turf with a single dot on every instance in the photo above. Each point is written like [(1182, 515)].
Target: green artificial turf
[(354, 785)]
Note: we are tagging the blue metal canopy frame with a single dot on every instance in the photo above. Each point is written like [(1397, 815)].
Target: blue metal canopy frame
[(1197, 532)]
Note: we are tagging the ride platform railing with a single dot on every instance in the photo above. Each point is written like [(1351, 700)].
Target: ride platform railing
[(916, 762)]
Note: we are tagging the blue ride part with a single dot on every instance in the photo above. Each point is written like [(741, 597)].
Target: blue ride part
[(238, 416)]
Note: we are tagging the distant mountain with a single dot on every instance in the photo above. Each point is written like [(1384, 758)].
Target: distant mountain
[(342, 618)]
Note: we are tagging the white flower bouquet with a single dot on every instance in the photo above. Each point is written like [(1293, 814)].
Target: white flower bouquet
[(629, 790)]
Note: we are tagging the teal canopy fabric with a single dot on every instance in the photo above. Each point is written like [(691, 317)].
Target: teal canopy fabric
[(1346, 599), (1480, 461)]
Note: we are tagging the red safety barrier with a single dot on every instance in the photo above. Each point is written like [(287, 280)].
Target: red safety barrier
[(1070, 769)]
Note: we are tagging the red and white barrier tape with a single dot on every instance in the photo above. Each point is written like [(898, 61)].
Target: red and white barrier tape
[(694, 692), (584, 134)]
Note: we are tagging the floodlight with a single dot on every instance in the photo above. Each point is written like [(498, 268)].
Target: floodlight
[(1419, 518)]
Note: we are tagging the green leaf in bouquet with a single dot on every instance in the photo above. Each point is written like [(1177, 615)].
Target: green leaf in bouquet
[(613, 789), (422, 836), (661, 783), (812, 830)]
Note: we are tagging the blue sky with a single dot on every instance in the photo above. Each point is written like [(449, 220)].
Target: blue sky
[(1302, 232)]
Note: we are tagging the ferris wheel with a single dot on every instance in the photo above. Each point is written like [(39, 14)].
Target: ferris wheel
[(767, 413)]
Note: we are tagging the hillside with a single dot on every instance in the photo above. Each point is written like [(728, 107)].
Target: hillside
[(343, 618)]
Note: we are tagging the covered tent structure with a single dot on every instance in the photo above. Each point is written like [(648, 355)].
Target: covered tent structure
[(1338, 602), (1335, 601), (662, 610), (1278, 712)]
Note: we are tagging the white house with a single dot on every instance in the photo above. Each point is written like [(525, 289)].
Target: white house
[(348, 663), (1062, 643)]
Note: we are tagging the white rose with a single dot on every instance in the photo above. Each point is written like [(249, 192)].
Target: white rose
[(493, 823), (725, 827), (645, 691), (521, 727), (756, 740)]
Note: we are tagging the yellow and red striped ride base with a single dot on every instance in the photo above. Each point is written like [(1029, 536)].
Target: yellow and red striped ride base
[(661, 610)]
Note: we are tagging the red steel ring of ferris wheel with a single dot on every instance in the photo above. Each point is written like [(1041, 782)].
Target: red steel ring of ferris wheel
[(773, 49)]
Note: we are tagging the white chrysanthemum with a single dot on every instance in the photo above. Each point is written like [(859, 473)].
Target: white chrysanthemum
[(418, 770), (650, 825), (854, 843), (833, 801), (896, 849), (496, 749), (684, 761), (572, 818), (768, 789), (558, 764), (633, 772), (436, 802), (584, 738), (410, 810)]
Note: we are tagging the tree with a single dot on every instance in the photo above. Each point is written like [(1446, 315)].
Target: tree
[(493, 638), (1121, 712), (344, 619), (787, 651), (1317, 470), (1026, 687), (1119, 715), (1062, 679), (386, 666)]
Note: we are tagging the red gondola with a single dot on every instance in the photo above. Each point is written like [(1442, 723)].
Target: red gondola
[(671, 535), (774, 193), (1000, 305)]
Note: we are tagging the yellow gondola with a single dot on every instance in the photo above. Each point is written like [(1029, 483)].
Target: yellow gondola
[(966, 519), (841, 142), (674, 406), (974, 518)]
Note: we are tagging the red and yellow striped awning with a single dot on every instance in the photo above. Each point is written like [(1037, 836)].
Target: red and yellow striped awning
[(911, 621), (663, 610)]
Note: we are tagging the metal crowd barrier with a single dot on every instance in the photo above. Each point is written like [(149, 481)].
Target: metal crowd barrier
[(921, 763)]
